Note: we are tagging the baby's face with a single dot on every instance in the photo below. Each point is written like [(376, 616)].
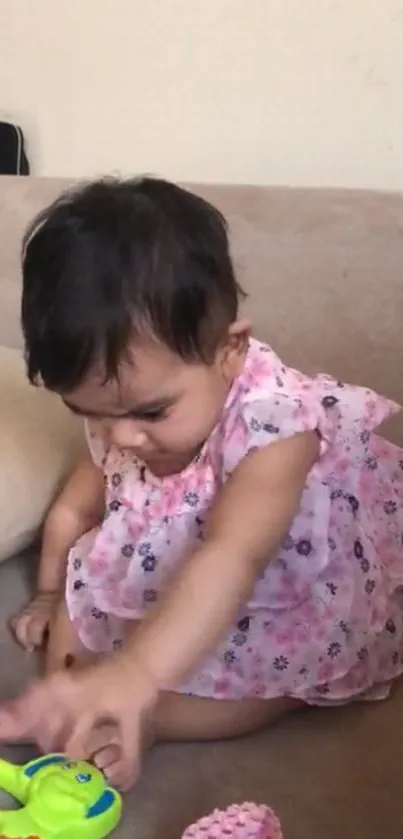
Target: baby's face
[(163, 408)]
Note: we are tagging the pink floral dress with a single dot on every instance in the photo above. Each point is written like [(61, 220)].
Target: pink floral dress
[(325, 621)]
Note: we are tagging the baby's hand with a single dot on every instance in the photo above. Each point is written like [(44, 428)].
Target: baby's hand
[(30, 626), (98, 712)]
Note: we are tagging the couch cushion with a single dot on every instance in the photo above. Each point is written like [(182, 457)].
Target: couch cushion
[(39, 442)]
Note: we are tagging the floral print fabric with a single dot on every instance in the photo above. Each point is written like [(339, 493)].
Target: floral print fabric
[(325, 621)]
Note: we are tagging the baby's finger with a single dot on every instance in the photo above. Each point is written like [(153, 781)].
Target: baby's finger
[(12, 625), (102, 736), (104, 749), (19, 627), (78, 744), (107, 757), (122, 774), (36, 629), (19, 717), (48, 717), (125, 771), (52, 733)]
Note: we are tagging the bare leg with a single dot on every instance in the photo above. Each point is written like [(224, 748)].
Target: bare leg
[(180, 717), (64, 647)]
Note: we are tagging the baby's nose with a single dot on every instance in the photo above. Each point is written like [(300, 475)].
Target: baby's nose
[(127, 434)]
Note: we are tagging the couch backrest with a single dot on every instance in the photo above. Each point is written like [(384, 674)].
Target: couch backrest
[(323, 268)]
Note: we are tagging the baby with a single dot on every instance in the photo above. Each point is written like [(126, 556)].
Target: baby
[(231, 548)]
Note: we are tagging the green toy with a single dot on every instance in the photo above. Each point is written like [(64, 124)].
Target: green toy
[(60, 799)]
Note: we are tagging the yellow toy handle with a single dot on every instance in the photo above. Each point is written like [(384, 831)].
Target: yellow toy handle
[(12, 780)]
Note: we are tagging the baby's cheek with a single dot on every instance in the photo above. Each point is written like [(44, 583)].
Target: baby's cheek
[(187, 439)]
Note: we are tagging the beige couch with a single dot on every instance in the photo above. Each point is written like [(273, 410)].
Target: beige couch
[(324, 270)]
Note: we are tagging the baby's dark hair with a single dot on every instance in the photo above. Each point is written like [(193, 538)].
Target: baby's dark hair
[(116, 259)]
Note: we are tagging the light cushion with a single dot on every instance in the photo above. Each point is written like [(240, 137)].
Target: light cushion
[(40, 441)]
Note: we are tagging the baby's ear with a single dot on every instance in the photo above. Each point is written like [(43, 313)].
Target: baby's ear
[(233, 351)]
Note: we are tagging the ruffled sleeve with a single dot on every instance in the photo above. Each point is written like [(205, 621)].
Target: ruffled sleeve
[(343, 417), (264, 421), (283, 416)]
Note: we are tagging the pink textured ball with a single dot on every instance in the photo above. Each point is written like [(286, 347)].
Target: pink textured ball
[(240, 821)]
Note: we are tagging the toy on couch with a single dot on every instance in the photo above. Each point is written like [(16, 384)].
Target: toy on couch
[(60, 799), (239, 821), (63, 799)]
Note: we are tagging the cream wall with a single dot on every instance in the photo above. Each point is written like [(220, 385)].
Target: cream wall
[(275, 91)]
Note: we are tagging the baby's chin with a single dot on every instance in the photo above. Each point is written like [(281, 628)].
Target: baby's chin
[(165, 465)]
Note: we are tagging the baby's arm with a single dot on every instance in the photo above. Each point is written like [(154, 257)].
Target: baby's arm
[(78, 508), (251, 517)]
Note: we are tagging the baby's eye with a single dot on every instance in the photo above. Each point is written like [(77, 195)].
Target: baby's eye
[(152, 416)]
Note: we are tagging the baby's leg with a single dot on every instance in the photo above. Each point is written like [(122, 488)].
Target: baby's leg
[(64, 647), (180, 717), (183, 717)]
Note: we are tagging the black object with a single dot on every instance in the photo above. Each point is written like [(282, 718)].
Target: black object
[(13, 159)]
